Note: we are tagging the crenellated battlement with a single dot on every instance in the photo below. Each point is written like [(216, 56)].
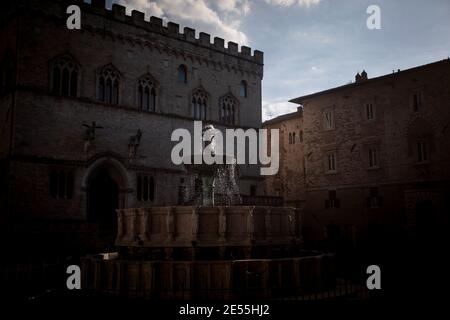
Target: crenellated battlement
[(171, 29), (137, 18)]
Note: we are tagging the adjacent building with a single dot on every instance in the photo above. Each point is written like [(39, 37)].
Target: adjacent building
[(289, 182), (375, 155)]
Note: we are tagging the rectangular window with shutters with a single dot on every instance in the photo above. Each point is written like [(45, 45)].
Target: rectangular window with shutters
[(422, 155), (373, 157), (331, 162), (329, 119), (332, 202), (370, 111), (417, 101)]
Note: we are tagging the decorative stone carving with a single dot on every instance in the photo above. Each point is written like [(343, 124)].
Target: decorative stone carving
[(222, 224), (134, 144), (291, 219), (119, 224), (170, 223), (141, 217), (146, 219), (130, 218), (250, 223), (195, 222), (228, 226), (89, 135)]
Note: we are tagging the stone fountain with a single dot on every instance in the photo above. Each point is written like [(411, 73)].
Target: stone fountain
[(210, 251), (218, 181)]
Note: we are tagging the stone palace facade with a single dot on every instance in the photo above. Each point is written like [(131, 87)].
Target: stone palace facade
[(87, 115)]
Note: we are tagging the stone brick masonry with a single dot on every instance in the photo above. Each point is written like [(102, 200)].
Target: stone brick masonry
[(42, 132), (361, 201)]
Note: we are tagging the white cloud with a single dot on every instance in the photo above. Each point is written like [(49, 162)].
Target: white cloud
[(288, 3), (241, 7), (272, 109), (219, 18), (312, 36)]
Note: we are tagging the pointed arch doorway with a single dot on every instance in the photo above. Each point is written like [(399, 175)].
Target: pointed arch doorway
[(106, 189), (103, 200)]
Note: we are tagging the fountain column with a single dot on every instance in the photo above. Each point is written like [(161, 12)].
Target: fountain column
[(250, 224), (299, 226), (142, 224), (194, 226), (208, 191), (119, 224), (250, 233), (170, 224), (170, 232), (222, 230), (222, 224), (292, 223), (130, 218)]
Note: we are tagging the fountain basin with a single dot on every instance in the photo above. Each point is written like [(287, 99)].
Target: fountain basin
[(210, 280), (208, 226), (209, 253)]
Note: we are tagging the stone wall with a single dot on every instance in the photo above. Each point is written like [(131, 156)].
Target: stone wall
[(49, 131), (289, 182), (136, 47), (393, 132)]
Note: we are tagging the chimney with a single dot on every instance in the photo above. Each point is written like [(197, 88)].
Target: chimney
[(358, 77), (363, 75)]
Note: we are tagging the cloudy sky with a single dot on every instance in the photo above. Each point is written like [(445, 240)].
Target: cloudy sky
[(312, 45)]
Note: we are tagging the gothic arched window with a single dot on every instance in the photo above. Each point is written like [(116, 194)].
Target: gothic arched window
[(243, 89), (108, 84), (199, 104), (64, 77), (147, 90), (228, 110), (182, 73)]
